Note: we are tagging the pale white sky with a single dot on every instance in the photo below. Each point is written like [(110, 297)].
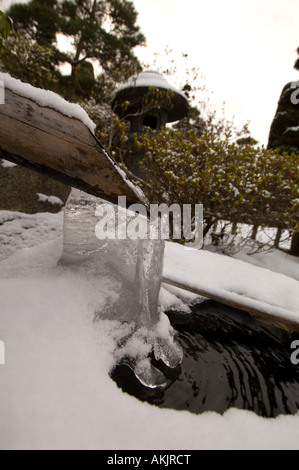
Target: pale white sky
[(245, 48)]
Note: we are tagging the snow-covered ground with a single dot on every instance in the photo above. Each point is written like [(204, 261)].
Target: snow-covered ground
[(19, 231), (55, 390)]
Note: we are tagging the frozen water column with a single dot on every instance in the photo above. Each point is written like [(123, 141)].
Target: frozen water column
[(137, 264)]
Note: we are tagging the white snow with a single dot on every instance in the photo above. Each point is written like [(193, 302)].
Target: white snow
[(19, 231), (7, 164), (275, 260), (47, 99), (292, 129), (55, 391), (170, 299), (51, 199), (272, 293), (150, 78)]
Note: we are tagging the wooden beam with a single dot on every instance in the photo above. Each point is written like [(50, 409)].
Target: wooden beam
[(260, 314), (60, 147)]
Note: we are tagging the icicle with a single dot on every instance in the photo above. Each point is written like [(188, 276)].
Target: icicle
[(138, 265)]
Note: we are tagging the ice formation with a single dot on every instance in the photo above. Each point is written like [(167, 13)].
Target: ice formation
[(138, 265)]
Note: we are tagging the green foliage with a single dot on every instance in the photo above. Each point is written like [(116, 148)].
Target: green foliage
[(284, 134), (239, 184), (5, 30), (104, 30), (30, 62), (204, 159), (247, 141), (39, 20)]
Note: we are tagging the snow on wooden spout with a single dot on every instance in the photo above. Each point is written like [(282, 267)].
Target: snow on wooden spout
[(42, 131)]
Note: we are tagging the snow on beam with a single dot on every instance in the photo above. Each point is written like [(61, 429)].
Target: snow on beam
[(60, 147), (263, 312)]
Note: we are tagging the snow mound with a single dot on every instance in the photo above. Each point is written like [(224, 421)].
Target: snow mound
[(19, 231), (150, 78), (7, 164), (51, 199)]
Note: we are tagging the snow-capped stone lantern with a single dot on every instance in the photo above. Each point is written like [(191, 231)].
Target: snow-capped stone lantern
[(148, 101)]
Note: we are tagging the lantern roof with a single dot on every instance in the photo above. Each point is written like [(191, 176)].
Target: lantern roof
[(138, 86)]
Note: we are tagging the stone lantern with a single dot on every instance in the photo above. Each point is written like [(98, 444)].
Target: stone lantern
[(147, 101)]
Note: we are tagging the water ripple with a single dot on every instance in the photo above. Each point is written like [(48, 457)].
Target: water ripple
[(230, 360)]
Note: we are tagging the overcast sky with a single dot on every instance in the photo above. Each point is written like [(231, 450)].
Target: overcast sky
[(245, 48)]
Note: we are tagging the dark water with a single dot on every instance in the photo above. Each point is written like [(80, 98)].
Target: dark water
[(230, 360)]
